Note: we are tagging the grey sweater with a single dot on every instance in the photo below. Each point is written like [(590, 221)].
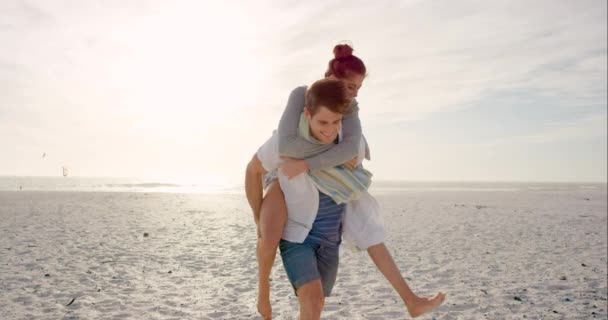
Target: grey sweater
[(318, 156)]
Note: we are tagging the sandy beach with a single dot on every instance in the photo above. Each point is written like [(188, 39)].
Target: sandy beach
[(119, 255)]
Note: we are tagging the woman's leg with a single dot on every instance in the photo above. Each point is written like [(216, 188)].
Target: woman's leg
[(273, 216), (415, 305)]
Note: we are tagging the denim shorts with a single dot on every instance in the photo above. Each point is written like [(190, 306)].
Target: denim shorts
[(308, 261)]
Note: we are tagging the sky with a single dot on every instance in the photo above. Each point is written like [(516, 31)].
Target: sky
[(188, 90)]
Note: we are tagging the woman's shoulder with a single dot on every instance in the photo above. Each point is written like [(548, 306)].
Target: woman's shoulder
[(300, 90)]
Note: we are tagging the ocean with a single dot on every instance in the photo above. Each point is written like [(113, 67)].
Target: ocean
[(96, 184)]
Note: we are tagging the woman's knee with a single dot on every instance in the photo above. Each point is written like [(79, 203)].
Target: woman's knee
[(270, 232), (273, 215), (268, 244), (274, 200)]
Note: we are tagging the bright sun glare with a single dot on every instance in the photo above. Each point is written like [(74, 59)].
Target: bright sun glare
[(184, 72)]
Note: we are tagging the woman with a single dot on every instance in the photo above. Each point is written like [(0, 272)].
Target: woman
[(273, 213)]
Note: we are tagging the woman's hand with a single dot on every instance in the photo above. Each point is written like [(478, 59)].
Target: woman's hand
[(351, 164), (293, 167)]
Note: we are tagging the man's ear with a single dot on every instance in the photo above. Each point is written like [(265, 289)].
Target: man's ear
[(307, 113)]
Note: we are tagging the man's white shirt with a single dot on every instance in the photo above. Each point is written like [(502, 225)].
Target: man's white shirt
[(362, 223)]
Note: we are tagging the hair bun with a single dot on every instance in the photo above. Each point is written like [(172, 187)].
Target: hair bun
[(343, 51)]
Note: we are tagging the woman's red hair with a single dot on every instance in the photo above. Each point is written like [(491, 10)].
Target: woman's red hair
[(345, 63)]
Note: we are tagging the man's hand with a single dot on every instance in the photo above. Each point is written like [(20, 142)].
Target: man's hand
[(293, 167), (351, 164)]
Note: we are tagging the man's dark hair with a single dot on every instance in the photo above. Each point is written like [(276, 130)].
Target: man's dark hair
[(329, 93)]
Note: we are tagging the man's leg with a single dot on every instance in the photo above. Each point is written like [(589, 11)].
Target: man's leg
[(416, 306), (311, 300), (300, 262), (328, 259), (273, 216)]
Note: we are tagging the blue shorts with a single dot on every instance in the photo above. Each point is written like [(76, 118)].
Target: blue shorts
[(307, 261)]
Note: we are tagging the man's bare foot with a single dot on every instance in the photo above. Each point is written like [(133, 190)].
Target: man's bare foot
[(264, 307), (421, 306)]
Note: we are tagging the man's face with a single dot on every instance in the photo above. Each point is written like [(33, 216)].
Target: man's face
[(324, 125)]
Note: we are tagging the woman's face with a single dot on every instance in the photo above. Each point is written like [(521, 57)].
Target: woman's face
[(353, 83)]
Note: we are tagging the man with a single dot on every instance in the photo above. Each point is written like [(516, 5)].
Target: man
[(320, 206)]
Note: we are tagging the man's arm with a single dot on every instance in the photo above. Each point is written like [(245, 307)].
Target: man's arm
[(253, 186), (317, 156)]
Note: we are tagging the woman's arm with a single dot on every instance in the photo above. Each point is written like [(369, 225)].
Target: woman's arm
[(290, 143), (316, 156)]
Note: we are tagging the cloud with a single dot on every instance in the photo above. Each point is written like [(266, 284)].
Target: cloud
[(580, 129), (424, 58), (184, 70), (469, 58)]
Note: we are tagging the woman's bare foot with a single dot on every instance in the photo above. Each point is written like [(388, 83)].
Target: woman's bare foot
[(421, 306), (264, 307)]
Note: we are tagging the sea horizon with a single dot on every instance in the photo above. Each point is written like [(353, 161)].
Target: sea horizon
[(216, 185)]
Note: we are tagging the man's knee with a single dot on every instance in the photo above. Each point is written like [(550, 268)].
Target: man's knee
[(314, 305), (317, 304), (312, 298)]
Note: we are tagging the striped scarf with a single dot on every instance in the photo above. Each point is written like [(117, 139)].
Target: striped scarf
[(339, 182)]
